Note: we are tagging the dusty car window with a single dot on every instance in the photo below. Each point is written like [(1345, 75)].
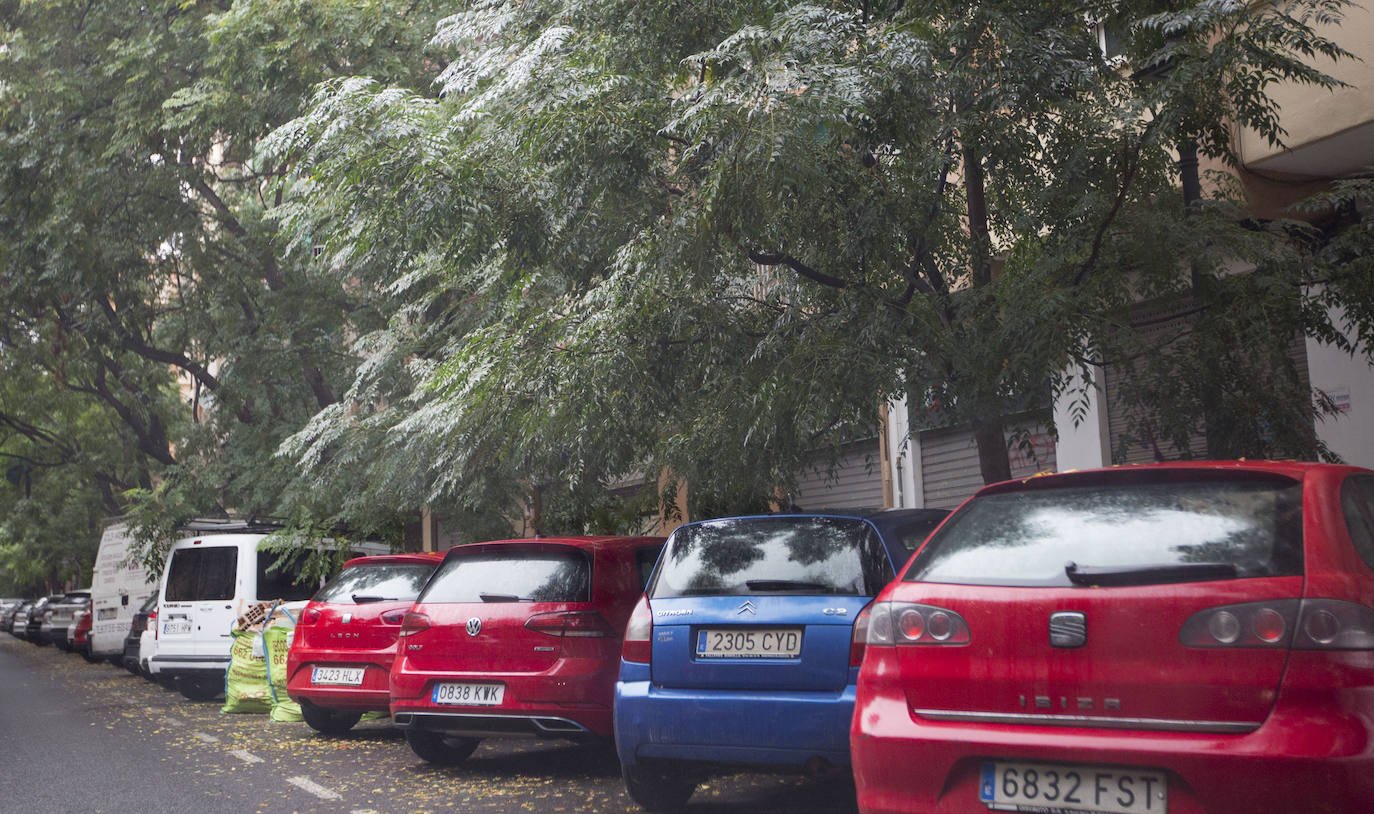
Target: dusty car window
[(773, 555), (1038, 537), (199, 574), (1357, 501), (517, 574), (380, 580)]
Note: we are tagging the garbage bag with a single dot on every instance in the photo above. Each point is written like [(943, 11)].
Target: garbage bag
[(246, 689), (277, 641)]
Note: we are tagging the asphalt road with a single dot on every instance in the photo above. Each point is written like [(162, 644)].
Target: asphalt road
[(92, 738)]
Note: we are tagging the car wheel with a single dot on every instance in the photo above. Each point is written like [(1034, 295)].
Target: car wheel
[(63, 646), (329, 722), (658, 788), (200, 689), (435, 748), (90, 659)]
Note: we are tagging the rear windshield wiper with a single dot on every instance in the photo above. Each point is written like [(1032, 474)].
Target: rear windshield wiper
[(367, 599), (1148, 574), (785, 585), (498, 597)]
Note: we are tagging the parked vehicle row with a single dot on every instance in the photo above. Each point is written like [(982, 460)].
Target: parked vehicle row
[(1162, 639)]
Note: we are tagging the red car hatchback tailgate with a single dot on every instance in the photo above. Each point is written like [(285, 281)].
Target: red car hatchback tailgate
[(1131, 671), (1140, 598)]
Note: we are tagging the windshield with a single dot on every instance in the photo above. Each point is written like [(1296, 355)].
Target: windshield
[(512, 574), (770, 555), (376, 582), (1158, 532)]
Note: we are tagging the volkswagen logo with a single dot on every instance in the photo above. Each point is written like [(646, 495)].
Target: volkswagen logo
[(746, 607), (474, 626)]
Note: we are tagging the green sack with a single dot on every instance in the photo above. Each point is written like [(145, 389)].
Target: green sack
[(277, 641), (245, 685)]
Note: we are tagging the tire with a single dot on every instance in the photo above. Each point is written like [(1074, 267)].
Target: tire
[(200, 689), (328, 721), (658, 787), (90, 659), (435, 748)]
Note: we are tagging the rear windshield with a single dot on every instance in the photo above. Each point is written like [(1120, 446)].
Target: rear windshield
[(773, 555), (376, 582), (199, 574), (1159, 532), (512, 574)]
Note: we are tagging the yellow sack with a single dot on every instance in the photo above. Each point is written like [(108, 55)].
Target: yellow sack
[(245, 685), (277, 641)]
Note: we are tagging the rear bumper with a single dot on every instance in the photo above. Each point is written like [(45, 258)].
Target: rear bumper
[(758, 728), (189, 666), (372, 694), (497, 724), (558, 705), (1303, 758)]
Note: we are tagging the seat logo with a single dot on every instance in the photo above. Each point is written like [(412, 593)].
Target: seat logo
[(746, 607), (1068, 629), (474, 626)]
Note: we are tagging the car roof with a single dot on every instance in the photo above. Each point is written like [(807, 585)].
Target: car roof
[(588, 542), (1154, 472), (422, 557)]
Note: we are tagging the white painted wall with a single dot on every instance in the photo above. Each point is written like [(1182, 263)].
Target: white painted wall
[(905, 454), (1350, 381), (1086, 445)]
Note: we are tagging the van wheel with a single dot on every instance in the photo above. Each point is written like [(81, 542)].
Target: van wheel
[(90, 659), (200, 689), (439, 750), (658, 788), (329, 722)]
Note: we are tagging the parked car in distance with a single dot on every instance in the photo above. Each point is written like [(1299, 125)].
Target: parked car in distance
[(516, 638), (33, 624), (7, 619), (79, 635), (118, 580), (138, 625), (1191, 637), (742, 651), (56, 625), (339, 665)]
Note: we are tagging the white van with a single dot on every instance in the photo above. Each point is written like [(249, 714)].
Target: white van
[(118, 588), (209, 580)]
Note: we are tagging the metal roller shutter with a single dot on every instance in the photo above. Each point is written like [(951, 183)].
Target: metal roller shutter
[(858, 482), (949, 463)]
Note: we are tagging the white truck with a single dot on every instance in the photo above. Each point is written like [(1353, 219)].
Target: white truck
[(119, 584)]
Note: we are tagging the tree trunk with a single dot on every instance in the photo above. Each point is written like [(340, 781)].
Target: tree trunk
[(993, 461)]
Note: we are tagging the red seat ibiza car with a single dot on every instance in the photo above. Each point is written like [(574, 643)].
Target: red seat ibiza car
[(339, 665), (1172, 638), (517, 637)]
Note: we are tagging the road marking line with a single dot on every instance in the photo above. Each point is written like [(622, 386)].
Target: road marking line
[(206, 738), (306, 784), (246, 756)]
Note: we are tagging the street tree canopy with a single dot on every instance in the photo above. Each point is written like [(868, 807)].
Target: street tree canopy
[(711, 239)]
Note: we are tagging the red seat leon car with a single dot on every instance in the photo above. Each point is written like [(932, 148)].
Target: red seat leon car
[(517, 637), (1165, 639), (339, 665)]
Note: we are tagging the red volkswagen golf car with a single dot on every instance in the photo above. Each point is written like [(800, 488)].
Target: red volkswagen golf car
[(341, 653), (517, 637), (1173, 638)]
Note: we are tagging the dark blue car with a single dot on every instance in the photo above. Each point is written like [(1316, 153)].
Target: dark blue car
[(743, 651)]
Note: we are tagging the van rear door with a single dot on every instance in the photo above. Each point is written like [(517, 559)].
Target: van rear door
[(198, 600)]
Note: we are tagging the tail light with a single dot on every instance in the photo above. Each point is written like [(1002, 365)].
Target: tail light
[(309, 617), (1303, 624), (904, 623), (639, 634), (577, 624), (394, 617), (860, 637), (412, 623), (152, 622)]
